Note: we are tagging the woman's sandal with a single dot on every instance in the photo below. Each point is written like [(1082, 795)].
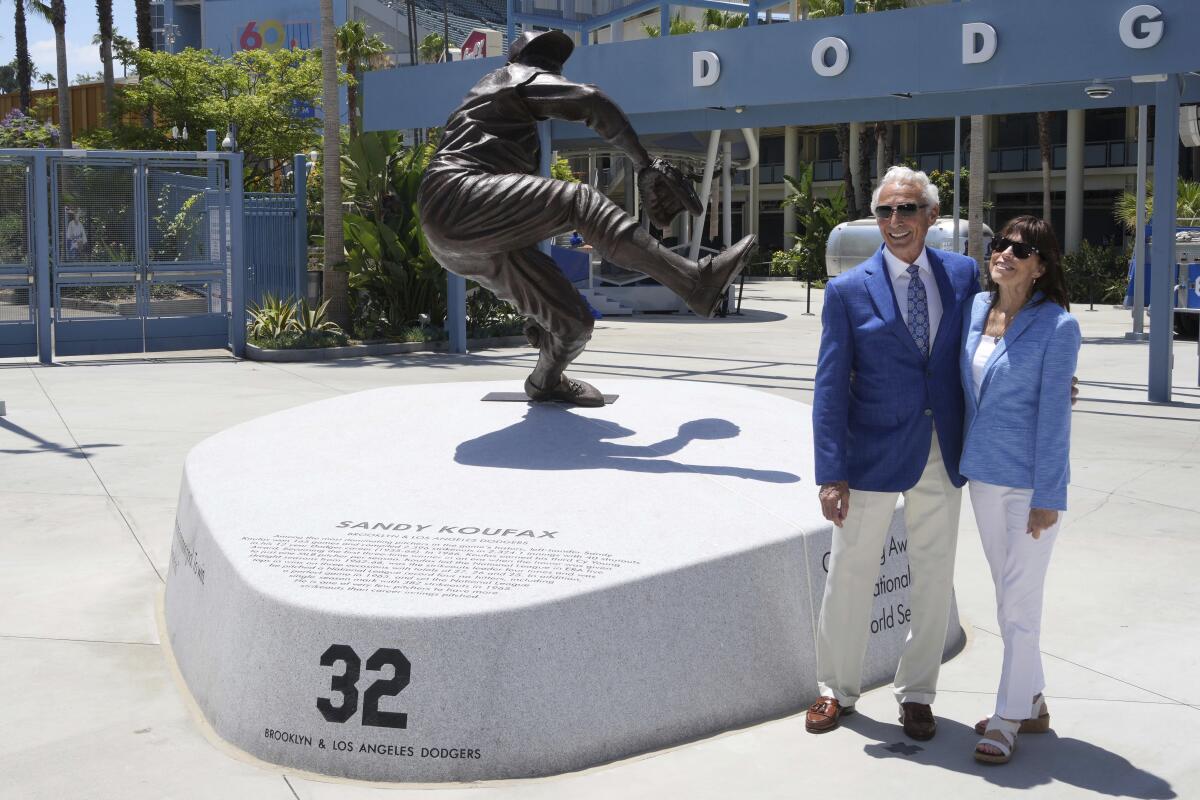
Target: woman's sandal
[(1000, 735), (1038, 721)]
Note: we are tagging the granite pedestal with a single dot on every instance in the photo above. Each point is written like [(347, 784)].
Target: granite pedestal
[(409, 584)]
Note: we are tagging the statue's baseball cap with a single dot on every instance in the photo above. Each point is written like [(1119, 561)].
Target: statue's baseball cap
[(552, 46)]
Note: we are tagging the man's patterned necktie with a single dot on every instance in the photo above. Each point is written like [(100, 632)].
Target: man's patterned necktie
[(918, 311)]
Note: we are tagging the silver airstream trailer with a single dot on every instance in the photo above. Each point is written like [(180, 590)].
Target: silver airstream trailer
[(852, 243)]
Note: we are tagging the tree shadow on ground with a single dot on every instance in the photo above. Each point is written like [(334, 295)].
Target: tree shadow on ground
[(555, 438), (43, 445), (1039, 759)]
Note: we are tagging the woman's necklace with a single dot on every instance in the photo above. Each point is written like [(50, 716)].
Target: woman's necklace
[(993, 324)]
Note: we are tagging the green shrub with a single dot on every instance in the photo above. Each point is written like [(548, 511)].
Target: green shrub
[(19, 130), (395, 282), (284, 324), (1096, 274)]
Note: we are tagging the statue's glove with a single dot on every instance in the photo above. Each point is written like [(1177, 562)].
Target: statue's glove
[(665, 192)]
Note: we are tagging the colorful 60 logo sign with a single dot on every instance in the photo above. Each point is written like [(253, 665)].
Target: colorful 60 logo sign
[(272, 34)]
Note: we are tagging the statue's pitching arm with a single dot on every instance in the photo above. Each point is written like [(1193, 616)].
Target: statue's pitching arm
[(554, 97)]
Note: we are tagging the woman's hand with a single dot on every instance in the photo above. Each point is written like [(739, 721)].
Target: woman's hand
[(1040, 519)]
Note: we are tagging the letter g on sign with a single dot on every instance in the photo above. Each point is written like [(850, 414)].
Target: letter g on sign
[(1141, 27), (706, 68), (841, 57)]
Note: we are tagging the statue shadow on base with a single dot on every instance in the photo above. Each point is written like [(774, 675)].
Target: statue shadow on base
[(1039, 759), (554, 438)]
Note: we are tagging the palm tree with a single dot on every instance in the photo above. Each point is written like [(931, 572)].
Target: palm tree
[(104, 16), (145, 34), (357, 52), (978, 168), (24, 63), (1187, 204), (334, 281), (1047, 148), (860, 199), (431, 48), (55, 12)]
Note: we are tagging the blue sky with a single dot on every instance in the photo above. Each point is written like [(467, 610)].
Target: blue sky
[(82, 55)]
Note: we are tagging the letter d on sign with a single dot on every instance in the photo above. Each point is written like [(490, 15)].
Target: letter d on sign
[(706, 68), (979, 42)]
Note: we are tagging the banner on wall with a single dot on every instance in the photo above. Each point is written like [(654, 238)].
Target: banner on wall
[(264, 25)]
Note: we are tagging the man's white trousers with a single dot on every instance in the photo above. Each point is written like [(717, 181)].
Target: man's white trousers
[(1018, 563), (931, 517)]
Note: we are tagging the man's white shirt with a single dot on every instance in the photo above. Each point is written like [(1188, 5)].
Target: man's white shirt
[(898, 271)]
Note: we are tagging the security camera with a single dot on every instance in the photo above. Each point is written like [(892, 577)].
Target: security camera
[(1098, 91)]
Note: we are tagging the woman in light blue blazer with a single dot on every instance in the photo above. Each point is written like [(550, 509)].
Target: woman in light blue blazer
[(1019, 351)]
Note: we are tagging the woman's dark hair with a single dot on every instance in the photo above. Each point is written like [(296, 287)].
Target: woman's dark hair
[(1037, 232)]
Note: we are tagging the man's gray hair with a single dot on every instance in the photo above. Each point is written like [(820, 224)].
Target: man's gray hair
[(912, 177)]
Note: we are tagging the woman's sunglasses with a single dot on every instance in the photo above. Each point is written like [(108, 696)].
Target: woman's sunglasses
[(904, 210), (1020, 249)]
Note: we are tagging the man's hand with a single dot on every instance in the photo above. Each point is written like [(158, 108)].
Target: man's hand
[(1040, 519), (1074, 389), (835, 501)]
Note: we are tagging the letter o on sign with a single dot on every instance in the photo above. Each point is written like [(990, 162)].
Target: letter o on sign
[(841, 57), (1148, 33)]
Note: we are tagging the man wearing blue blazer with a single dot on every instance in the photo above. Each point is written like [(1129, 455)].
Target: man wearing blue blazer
[(888, 420)]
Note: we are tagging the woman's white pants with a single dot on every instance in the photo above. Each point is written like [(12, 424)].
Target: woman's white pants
[(1018, 563)]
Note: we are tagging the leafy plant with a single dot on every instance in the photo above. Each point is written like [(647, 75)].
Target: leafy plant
[(1096, 274), (394, 279), (786, 263), (268, 96), (489, 316), (815, 220), (19, 130), (679, 27), (272, 319), (311, 322), (431, 48), (282, 323), (561, 170), (1187, 204), (177, 230)]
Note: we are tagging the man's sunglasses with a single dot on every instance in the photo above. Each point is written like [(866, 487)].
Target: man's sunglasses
[(904, 210), (1020, 249)]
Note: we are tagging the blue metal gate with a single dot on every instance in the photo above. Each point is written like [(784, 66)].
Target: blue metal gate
[(18, 331), (120, 252), (276, 245)]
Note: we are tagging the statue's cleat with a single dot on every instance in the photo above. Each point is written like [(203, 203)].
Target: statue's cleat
[(716, 273), (568, 390)]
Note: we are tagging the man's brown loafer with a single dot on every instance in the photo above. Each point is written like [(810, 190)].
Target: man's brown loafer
[(823, 715), (918, 721)]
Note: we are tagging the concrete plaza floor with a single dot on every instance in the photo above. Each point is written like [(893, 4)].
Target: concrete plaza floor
[(90, 458)]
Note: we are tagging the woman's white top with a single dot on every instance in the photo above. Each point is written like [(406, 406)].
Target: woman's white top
[(987, 345)]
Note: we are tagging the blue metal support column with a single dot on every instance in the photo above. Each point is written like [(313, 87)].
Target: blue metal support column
[(512, 23), (1162, 248), (664, 20), (848, 7), (752, 12), (237, 259), (456, 312), (41, 252), (300, 185)]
